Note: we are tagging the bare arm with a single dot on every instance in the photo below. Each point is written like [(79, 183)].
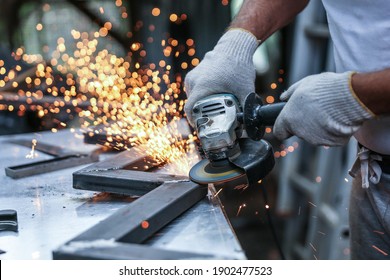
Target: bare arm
[(373, 89), (263, 17)]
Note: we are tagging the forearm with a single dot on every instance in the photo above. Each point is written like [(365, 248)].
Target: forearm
[(373, 89), (263, 17)]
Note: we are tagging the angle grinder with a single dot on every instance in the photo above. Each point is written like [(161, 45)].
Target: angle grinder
[(231, 139)]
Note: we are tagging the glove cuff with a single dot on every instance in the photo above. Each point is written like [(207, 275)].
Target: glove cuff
[(344, 106), (238, 43)]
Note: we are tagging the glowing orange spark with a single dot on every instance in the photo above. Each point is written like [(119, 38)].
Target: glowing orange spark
[(156, 12), (379, 250), (145, 224), (32, 154), (129, 103), (240, 207), (216, 194)]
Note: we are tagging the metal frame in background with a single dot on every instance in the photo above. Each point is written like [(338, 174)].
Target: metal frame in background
[(119, 236)]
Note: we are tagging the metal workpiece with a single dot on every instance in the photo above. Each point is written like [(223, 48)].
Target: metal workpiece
[(57, 163), (123, 173), (120, 236), (63, 158), (51, 212), (110, 250), (136, 223)]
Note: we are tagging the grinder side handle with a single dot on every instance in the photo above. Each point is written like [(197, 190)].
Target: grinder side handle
[(267, 114), (257, 116)]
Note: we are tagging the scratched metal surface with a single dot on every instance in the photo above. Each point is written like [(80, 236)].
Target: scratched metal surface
[(51, 212)]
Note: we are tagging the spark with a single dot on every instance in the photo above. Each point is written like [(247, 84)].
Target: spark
[(314, 249), (311, 203), (266, 206), (32, 154), (320, 232), (346, 180), (241, 187), (379, 250), (156, 12), (137, 106), (240, 207), (217, 193), (379, 232), (145, 224)]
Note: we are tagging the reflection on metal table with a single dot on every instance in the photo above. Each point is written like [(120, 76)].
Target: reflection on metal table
[(51, 212)]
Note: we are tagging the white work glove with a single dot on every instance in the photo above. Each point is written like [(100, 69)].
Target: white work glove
[(321, 109), (227, 68)]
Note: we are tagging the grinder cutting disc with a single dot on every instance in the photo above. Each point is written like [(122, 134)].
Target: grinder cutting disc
[(205, 173)]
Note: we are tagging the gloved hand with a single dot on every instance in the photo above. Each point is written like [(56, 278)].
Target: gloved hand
[(321, 109), (227, 68)]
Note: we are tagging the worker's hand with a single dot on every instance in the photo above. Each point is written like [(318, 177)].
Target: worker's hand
[(322, 109), (228, 68)]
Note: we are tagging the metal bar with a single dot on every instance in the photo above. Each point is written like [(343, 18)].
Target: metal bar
[(49, 149), (135, 224), (127, 182), (115, 175), (44, 166), (120, 251), (157, 208)]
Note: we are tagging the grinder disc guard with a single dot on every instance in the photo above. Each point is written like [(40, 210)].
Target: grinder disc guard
[(256, 158), (255, 162)]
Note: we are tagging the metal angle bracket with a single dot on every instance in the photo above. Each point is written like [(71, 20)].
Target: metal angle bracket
[(120, 235)]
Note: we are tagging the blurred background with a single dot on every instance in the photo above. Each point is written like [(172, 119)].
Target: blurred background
[(58, 58)]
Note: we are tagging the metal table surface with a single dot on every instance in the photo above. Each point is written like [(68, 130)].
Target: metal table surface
[(50, 212)]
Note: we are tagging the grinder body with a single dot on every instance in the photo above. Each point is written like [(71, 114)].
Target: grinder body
[(217, 125), (230, 138)]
